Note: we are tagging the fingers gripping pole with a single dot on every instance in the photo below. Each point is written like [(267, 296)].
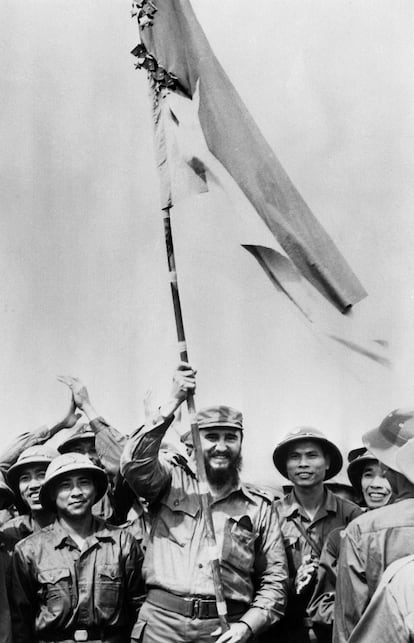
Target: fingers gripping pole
[(204, 494)]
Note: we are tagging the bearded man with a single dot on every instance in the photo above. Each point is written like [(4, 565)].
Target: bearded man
[(180, 605)]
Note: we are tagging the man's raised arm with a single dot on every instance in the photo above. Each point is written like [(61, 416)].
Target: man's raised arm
[(140, 464)]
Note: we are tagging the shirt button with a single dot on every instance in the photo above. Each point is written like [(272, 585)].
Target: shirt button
[(200, 565), (176, 503)]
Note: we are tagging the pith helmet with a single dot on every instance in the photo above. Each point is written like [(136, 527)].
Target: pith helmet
[(216, 416), (392, 434), (307, 433), (358, 458), (83, 432), (66, 464), (40, 454)]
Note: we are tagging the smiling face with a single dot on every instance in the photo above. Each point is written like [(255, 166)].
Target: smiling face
[(376, 489), (75, 495), (221, 448), (30, 481), (306, 463)]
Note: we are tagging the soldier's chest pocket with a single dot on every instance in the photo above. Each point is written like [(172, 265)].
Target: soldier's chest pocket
[(177, 520), (108, 590), (55, 587), (238, 543)]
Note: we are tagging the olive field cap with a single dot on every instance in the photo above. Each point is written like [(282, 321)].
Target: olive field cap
[(219, 416), (66, 464), (307, 433), (358, 459), (392, 434), (82, 432), (39, 454)]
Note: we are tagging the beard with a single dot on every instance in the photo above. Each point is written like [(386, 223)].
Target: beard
[(222, 476)]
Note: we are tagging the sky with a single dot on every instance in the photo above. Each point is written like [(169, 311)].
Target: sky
[(84, 283)]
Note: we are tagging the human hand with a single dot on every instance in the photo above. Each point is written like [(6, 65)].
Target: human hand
[(237, 633), (79, 393), (71, 417), (305, 573), (183, 383)]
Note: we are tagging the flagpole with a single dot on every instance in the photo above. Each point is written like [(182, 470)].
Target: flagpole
[(203, 488)]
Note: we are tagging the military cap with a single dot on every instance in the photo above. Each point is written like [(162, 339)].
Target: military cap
[(216, 416), (82, 432), (66, 464), (357, 465), (307, 433), (38, 454)]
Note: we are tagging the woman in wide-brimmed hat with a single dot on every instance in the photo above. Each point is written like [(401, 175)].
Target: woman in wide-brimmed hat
[(366, 475)]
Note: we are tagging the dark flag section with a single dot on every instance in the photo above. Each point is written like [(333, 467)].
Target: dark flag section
[(175, 51)]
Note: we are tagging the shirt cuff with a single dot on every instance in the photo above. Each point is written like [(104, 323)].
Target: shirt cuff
[(255, 618)]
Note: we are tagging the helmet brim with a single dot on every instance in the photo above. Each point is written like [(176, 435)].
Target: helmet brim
[(335, 456)]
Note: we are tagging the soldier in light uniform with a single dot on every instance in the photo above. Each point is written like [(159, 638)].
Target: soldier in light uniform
[(307, 514), (180, 605)]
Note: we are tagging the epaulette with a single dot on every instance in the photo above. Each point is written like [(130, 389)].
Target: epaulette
[(263, 492)]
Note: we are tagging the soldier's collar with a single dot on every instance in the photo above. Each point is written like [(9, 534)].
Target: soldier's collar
[(293, 506), (62, 538)]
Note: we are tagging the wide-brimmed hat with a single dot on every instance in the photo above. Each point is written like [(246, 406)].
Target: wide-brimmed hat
[(392, 434), (66, 464), (40, 454), (358, 459), (307, 433), (82, 432), (216, 416), (405, 460)]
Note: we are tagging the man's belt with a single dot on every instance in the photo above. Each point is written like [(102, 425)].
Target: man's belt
[(192, 606), (90, 634)]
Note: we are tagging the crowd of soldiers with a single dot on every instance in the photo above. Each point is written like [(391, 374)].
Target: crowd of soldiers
[(104, 540)]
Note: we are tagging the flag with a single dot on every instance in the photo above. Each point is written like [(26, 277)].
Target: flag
[(175, 51)]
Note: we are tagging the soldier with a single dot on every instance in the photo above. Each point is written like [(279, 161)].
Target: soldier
[(180, 605), (25, 477), (307, 514), (77, 579), (389, 616), (373, 490), (377, 538)]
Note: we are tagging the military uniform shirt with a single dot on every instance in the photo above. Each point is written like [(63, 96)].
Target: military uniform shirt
[(56, 588), (250, 548)]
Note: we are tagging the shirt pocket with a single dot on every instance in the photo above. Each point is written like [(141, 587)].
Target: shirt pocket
[(176, 519), (238, 544), (55, 587), (108, 591)]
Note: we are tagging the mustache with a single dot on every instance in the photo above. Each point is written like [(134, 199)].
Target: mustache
[(230, 473)]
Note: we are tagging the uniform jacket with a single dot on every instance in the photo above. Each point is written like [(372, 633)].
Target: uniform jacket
[(57, 589), (252, 558), (334, 512), (370, 543)]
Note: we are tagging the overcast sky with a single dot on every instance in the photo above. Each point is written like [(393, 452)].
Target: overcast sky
[(84, 285)]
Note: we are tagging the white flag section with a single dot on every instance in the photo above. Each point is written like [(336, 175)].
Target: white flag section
[(84, 281), (187, 168)]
